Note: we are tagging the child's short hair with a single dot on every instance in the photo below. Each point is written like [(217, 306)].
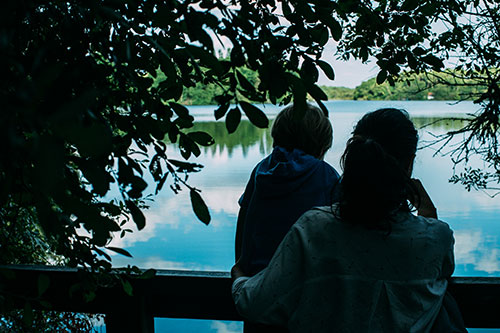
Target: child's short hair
[(312, 133)]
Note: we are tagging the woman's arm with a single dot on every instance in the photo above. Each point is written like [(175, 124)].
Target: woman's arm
[(423, 203), (271, 295)]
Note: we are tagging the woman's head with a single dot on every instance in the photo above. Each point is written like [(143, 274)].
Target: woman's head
[(377, 165), (312, 133)]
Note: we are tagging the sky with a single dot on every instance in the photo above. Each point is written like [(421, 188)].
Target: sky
[(347, 73)]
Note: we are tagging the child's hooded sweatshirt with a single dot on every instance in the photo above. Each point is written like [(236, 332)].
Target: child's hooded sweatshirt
[(281, 188)]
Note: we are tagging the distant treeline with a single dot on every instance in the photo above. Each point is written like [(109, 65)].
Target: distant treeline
[(418, 87)]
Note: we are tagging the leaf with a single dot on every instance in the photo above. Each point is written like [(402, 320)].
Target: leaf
[(127, 287), (180, 110), (326, 68), (221, 111), (120, 251), (137, 215), (409, 5), (187, 146), (185, 166), (199, 207), (335, 29), (102, 253), (317, 93), (160, 184), (43, 284), (149, 274), (308, 71), (202, 138), (155, 167), (381, 76), (245, 84), (138, 185), (434, 61), (255, 115), (233, 119), (323, 108)]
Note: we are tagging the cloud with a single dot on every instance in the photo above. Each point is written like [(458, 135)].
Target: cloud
[(157, 262), (175, 212), (227, 327), (472, 248), (489, 262)]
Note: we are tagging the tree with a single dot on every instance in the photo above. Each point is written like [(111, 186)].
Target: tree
[(82, 113)]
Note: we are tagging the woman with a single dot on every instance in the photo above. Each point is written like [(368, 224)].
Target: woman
[(365, 264)]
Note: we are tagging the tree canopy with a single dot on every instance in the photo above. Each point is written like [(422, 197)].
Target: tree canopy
[(82, 111)]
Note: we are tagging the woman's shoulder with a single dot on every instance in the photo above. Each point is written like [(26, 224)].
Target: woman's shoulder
[(317, 215), (427, 225)]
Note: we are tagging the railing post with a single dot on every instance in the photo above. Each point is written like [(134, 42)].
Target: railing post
[(133, 316)]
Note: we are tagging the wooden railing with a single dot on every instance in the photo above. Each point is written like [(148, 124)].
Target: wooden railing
[(189, 294)]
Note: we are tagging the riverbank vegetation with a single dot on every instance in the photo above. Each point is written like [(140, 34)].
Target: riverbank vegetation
[(410, 87)]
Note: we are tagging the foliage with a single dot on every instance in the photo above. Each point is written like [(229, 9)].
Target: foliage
[(472, 41), (336, 93), (408, 86), (46, 321), (400, 35), (22, 242), (415, 87), (82, 112), (21, 239), (204, 94)]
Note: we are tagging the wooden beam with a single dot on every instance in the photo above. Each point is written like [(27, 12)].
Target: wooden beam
[(191, 294)]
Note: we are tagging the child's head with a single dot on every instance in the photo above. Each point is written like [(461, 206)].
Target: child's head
[(312, 133)]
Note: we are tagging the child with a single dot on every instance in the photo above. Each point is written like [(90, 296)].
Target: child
[(284, 185)]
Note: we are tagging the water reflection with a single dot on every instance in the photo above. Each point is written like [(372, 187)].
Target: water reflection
[(248, 135), (244, 137), (439, 124)]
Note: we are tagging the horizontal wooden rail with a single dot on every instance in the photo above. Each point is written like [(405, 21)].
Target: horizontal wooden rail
[(188, 294)]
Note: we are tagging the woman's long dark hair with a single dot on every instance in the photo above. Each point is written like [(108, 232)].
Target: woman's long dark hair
[(376, 182)]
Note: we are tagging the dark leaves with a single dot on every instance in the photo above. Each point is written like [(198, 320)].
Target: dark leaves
[(199, 207), (327, 69), (308, 71), (137, 215), (188, 146), (381, 76), (255, 115), (335, 29), (127, 287), (180, 110), (202, 138), (120, 251), (233, 119), (317, 93), (245, 84), (221, 111)]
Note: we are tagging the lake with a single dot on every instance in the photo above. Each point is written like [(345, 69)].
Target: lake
[(174, 239)]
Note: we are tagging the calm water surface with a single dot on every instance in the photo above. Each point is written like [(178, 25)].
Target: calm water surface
[(174, 239)]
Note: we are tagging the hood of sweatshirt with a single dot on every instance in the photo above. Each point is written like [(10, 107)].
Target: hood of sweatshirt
[(284, 171)]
